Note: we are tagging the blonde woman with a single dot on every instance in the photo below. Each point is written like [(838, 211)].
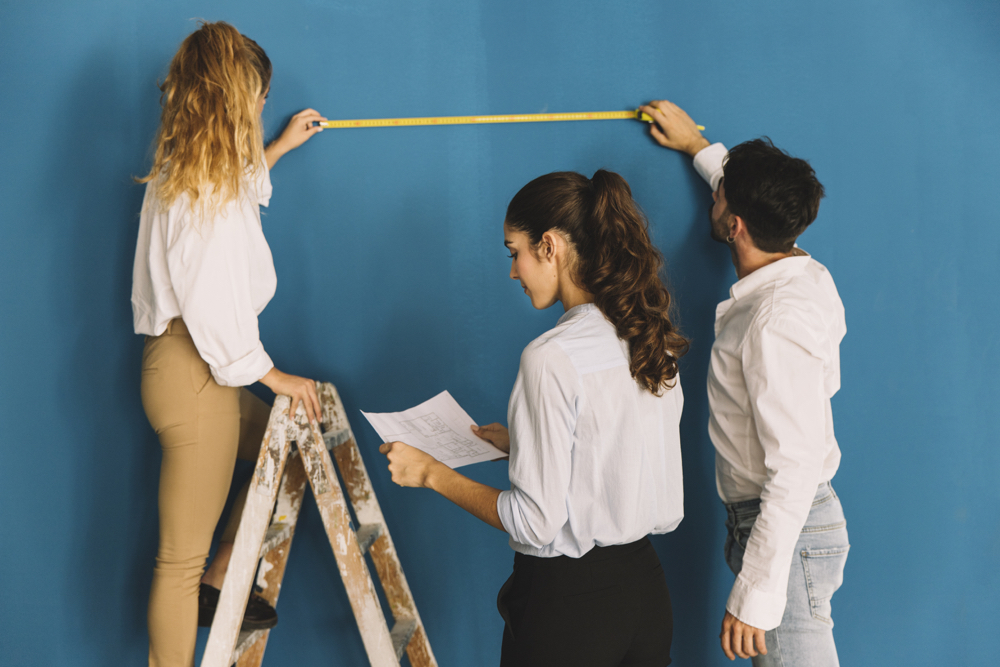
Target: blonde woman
[(203, 273)]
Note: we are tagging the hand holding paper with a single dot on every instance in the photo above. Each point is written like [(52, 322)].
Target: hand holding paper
[(408, 465), (441, 428), (496, 434)]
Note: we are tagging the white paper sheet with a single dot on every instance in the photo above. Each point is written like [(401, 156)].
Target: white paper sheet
[(439, 427)]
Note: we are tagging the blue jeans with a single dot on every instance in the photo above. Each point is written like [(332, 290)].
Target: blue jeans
[(805, 636)]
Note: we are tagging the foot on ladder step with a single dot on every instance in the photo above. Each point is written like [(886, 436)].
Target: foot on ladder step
[(259, 614)]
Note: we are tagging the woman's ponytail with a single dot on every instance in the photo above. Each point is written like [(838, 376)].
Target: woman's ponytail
[(616, 262)]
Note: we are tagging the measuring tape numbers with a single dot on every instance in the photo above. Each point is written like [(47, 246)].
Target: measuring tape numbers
[(481, 120)]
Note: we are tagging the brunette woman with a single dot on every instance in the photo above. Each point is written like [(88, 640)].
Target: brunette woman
[(203, 273), (594, 441)]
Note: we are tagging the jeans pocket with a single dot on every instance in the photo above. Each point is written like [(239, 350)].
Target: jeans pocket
[(824, 571), (743, 529)]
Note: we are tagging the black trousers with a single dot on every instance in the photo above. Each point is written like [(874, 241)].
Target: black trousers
[(610, 607)]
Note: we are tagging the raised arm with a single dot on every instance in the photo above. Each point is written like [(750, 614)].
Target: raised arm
[(674, 129)]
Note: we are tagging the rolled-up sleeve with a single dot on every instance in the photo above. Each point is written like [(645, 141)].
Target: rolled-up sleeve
[(542, 415), (209, 267), (708, 163), (784, 370)]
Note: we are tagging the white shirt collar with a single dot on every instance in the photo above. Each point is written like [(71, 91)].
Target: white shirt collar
[(783, 268), (575, 311)]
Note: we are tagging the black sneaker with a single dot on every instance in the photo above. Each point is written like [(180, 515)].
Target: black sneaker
[(259, 614)]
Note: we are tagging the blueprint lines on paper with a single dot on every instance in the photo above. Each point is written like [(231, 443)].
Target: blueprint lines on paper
[(439, 427)]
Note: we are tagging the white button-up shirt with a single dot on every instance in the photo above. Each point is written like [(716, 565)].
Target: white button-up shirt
[(774, 366), (217, 275), (595, 459)]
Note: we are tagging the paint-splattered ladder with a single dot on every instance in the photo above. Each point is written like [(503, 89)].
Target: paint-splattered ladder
[(268, 524)]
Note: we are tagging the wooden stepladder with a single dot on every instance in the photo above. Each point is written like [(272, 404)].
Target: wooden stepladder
[(268, 525)]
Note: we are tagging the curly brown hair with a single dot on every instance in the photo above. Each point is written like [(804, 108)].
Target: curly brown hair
[(210, 137), (616, 261)]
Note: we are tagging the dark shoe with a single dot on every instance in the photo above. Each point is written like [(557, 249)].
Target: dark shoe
[(259, 614)]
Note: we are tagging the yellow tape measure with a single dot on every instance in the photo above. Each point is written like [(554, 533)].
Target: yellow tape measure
[(476, 120)]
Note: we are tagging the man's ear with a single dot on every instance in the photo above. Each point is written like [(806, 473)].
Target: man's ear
[(738, 226)]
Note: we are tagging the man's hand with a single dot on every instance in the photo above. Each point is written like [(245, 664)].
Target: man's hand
[(496, 434), (739, 638), (673, 128), (409, 466)]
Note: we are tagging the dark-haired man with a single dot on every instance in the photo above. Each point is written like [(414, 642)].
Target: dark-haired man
[(775, 364)]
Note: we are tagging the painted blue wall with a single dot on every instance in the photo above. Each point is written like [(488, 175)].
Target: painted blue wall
[(393, 284)]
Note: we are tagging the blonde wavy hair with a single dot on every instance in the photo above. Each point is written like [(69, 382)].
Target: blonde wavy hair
[(210, 138)]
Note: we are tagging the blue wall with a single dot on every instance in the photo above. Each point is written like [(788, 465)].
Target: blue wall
[(393, 284)]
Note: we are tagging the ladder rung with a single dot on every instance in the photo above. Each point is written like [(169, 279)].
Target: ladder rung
[(334, 438), (401, 634), (247, 639), (276, 534), (367, 534)]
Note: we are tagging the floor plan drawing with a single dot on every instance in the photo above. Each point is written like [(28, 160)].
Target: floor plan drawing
[(448, 444), (439, 427)]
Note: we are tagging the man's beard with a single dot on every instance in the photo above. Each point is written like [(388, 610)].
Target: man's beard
[(714, 225)]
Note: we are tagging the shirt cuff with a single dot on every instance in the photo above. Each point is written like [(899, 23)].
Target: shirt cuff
[(514, 522), (755, 607), (708, 164), (245, 371), (264, 185), (503, 509)]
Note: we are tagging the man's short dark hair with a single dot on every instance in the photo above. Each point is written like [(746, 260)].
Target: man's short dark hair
[(776, 194)]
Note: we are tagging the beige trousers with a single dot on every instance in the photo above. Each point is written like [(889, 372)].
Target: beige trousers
[(203, 427)]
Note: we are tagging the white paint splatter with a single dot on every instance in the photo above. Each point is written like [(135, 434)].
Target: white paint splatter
[(265, 567)]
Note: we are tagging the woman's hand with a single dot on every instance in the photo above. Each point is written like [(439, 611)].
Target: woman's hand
[(298, 389), (673, 128), (299, 130), (408, 465), (411, 467), (496, 434)]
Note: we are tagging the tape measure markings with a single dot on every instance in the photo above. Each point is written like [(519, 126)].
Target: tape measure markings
[(478, 120)]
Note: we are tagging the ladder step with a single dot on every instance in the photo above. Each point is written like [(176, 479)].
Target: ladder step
[(247, 639), (334, 438), (276, 534), (401, 634), (367, 534)]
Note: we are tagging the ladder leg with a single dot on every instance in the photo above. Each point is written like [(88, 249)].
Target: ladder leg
[(383, 551), (253, 525), (351, 562), (272, 567)]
